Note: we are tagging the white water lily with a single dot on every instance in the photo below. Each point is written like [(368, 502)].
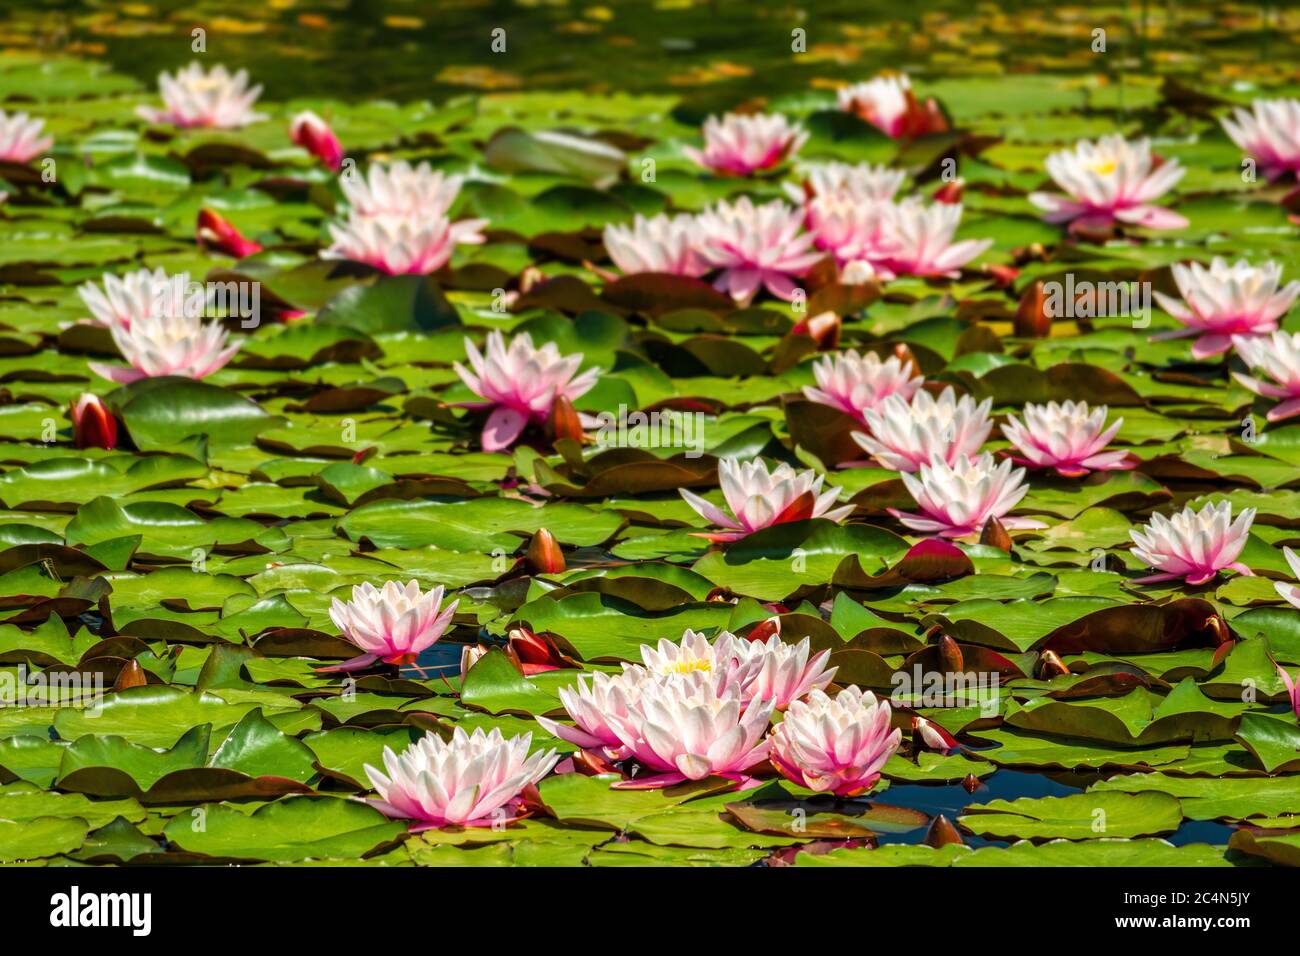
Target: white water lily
[(1068, 437), (1110, 181), (213, 98), (1278, 357), (1193, 545), (835, 744), (470, 780), (662, 243), (856, 383), (20, 137), (906, 435), (1225, 302), (857, 182), (957, 500), (157, 345), (759, 499)]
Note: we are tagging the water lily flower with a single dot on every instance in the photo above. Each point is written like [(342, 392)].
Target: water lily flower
[(904, 435), (721, 661), (20, 137), (756, 246), (685, 728), (216, 232), (520, 383), (859, 182), (1108, 182), (195, 97), (1069, 437), (472, 780), (591, 703), (1270, 132), (1289, 592), (921, 241), (662, 243), (956, 500), (777, 671), (835, 744), (1292, 686), (888, 103), (1277, 356), (156, 345), (1224, 301), (738, 145), (856, 383), (315, 136), (93, 425), (403, 191), (398, 245), (1193, 545), (124, 299), (392, 624), (759, 499), (853, 230)]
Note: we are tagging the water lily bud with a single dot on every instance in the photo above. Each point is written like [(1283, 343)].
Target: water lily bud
[(93, 425), (824, 329), (1032, 320), (926, 733), (904, 355), (950, 192), (131, 675), (1050, 665), (217, 233), (469, 655), (314, 135), (533, 652), (950, 655), (765, 629), (942, 833), (565, 421), (996, 536), (970, 783), (544, 555)]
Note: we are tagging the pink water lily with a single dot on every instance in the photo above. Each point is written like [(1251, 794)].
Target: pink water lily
[(590, 703), (756, 247), (780, 672), (759, 499), (853, 230), (1226, 301), (739, 145), (20, 137), (1193, 545), (662, 243), (684, 728), (314, 135), (399, 189), (920, 241), (1278, 357), (1292, 686), (888, 103), (720, 661), (857, 182), (400, 245), (471, 780), (195, 97), (835, 744), (957, 500), (520, 384), (1068, 437), (392, 624), (1107, 182), (855, 383), (904, 435), (1289, 592), (121, 300), (1270, 132), (157, 345)]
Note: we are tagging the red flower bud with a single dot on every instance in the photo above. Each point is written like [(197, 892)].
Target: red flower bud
[(950, 192), (824, 329), (216, 232), (93, 425), (1032, 320), (544, 555), (314, 135)]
